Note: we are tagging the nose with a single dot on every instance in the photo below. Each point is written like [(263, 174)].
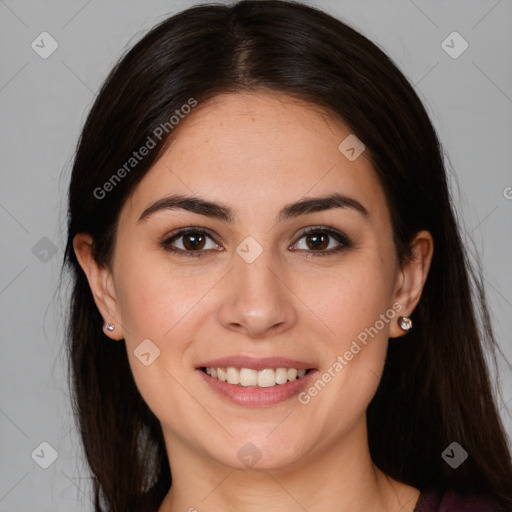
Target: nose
[(258, 301)]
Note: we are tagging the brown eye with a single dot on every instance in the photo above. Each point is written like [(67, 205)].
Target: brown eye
[(323, 241), (193, 241), (189, 242), (317, 241)]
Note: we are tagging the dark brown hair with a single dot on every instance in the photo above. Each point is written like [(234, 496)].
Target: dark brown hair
[(435, 388)]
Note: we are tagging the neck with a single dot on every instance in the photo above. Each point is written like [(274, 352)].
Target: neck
[(342, 478)]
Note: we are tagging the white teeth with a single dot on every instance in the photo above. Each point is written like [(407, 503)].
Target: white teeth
[(248, 377), (266, 378), (281, 376), (233, 375), (292, 373)]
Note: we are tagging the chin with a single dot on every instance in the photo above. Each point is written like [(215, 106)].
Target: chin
[(258, 453)]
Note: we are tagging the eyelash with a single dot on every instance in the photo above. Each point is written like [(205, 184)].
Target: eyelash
[(344, 241)]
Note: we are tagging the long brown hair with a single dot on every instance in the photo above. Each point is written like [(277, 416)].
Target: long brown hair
[(435, 388)]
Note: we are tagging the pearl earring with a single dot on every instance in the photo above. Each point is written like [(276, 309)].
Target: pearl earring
[(108, 327), (405, 322)]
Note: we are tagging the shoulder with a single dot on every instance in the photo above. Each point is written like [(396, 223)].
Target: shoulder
[(449, 501)]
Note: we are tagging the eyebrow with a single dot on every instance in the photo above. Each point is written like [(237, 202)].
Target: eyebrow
[(223, 212)]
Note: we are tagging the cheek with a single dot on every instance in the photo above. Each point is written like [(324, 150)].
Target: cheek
[(350, 299), (143, 305), (158, 332), (160, 304), (154, 297), (354, 313)]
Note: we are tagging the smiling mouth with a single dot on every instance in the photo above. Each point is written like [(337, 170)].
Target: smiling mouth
[(248, 377)]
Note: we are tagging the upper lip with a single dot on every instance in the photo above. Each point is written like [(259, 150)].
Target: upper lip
[(256, 363)]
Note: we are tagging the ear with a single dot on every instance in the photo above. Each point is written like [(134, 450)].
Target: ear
[(101, 283), (412, 277)]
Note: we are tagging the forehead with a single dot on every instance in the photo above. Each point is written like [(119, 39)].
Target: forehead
[(256, 152)]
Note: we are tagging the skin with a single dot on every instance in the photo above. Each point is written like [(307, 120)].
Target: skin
[(257, 152)]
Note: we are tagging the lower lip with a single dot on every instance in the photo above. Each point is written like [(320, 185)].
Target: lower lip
[(256, 396)]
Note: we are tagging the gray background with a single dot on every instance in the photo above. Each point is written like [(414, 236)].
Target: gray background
[(43, 104)]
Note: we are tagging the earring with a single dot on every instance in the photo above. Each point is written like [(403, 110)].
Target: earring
[(405, 322), (109, 327)]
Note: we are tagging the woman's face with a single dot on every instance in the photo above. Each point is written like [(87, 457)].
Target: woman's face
[(259, 298)]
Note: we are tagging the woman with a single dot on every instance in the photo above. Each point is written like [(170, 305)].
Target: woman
[(272, 306)]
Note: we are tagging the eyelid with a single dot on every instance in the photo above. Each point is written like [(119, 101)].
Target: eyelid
[(187, 229), (344, 241), (178, 233)]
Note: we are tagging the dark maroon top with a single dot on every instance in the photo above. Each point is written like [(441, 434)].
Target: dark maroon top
[(436, 501)]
